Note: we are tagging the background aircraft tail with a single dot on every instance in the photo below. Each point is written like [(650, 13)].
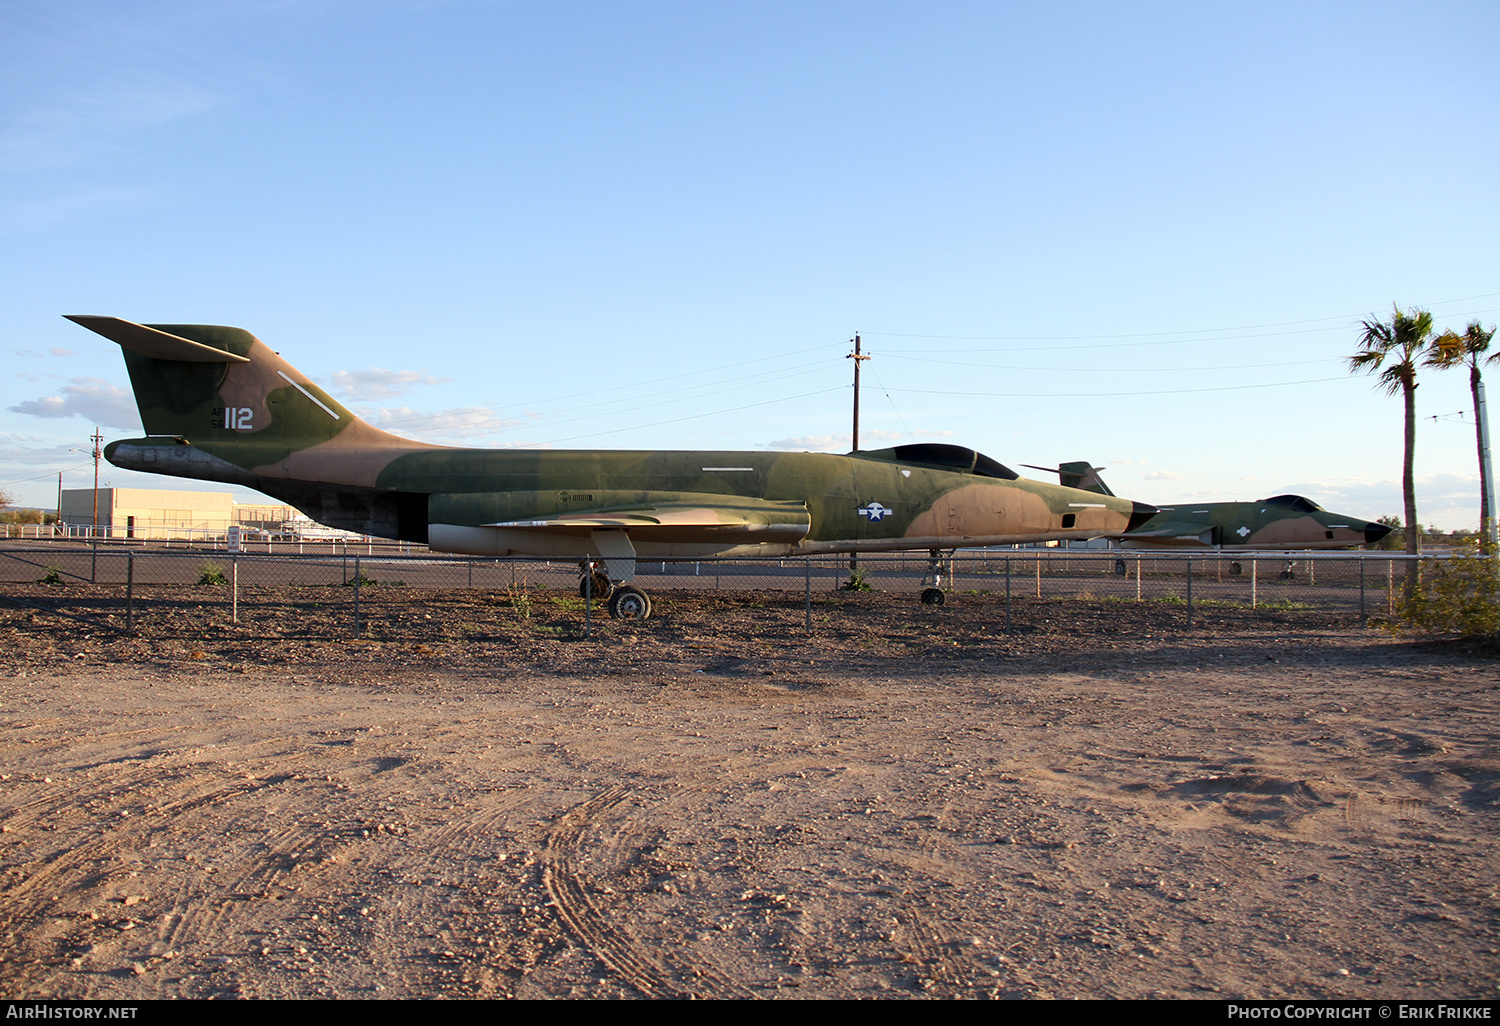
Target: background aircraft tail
[(1081, 475)]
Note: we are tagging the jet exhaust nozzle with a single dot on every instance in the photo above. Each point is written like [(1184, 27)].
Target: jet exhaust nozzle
[(1140, 512)]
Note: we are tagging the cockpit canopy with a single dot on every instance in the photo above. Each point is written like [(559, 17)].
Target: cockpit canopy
[(1296, 502), (948, 457)]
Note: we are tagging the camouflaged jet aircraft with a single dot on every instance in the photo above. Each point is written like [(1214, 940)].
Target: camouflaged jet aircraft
[(219, 405), (1281, 522)]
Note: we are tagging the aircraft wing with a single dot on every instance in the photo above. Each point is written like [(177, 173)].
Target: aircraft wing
[(723, 518), (1169, 527)]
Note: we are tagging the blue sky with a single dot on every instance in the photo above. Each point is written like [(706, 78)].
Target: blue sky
[(1138, 234)]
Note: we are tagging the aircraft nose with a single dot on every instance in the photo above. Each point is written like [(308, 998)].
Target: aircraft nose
[(1375, 532)]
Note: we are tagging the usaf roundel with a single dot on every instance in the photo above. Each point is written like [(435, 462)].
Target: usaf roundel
[(875, 511)]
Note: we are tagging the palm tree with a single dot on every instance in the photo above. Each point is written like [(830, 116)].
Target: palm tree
[(1392, 349), (1451, 349)]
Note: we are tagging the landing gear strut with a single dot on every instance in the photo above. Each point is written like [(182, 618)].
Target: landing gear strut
[(600, 585), (932, 584)]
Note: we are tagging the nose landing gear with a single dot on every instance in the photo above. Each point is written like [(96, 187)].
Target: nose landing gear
[(932, 584)]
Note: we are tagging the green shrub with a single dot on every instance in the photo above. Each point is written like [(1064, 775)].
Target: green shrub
[(54, 575), (858, 581), (1458, 596), (521, 602), (211, 573)]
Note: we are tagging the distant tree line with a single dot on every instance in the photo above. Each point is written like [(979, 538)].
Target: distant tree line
[(8, 515), (1431, 535)]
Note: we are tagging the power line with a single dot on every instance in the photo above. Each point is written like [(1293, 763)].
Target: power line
[(1188, 331), (1101, 395), (695, 416)]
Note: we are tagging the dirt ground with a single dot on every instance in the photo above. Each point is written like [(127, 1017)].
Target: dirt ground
[(471, 800)]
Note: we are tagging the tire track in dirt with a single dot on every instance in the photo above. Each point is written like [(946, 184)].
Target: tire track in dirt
[(927, 950), (57, 885), (568, 888)]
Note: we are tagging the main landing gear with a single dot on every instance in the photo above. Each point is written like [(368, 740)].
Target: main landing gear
[(932, 584), (624, 601), (629, 603)]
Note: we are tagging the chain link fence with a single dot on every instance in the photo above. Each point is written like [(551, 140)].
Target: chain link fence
[(1356, 586)]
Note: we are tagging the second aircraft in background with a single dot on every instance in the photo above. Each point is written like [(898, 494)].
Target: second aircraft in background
[(1281, 522)]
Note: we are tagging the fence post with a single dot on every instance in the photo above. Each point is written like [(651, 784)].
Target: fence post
[(1190, 591), (1007, 594), (1039, 574), (588, 600), (129, 592), (1139, 562), (234, 588), (1390, 585), (357, 576), (807, 592), (1363, 620), (1254, 579)]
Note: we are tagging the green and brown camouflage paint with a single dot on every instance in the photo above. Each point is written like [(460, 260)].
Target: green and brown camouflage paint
[(219, 405)]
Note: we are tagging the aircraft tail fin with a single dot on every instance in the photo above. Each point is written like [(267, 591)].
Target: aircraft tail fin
[(212, 385)]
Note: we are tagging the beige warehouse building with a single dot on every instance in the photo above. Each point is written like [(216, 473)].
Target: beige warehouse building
[(158, 514)]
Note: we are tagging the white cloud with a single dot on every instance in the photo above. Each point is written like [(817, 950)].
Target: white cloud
[(446, 425), (840, 443), (32, 451), (1165, 475), (378, 383), (87, 127), (1449, 500), (810, 443), (73, 204), (89, 398)]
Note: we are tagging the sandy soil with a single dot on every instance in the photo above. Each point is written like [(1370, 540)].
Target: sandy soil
[(469, 801)]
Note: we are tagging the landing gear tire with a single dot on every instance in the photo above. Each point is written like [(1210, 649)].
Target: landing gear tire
[(932, 597), (1120, 568), (602, 587), (629, 603)]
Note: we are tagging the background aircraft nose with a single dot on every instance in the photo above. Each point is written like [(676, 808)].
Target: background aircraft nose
[(1375, 532)]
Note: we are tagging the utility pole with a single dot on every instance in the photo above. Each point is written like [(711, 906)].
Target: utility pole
[(1487, 528), (858, 359), (854, 440), (96, 438)]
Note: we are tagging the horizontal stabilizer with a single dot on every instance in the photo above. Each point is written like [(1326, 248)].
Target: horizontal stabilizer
[(152, 343)]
